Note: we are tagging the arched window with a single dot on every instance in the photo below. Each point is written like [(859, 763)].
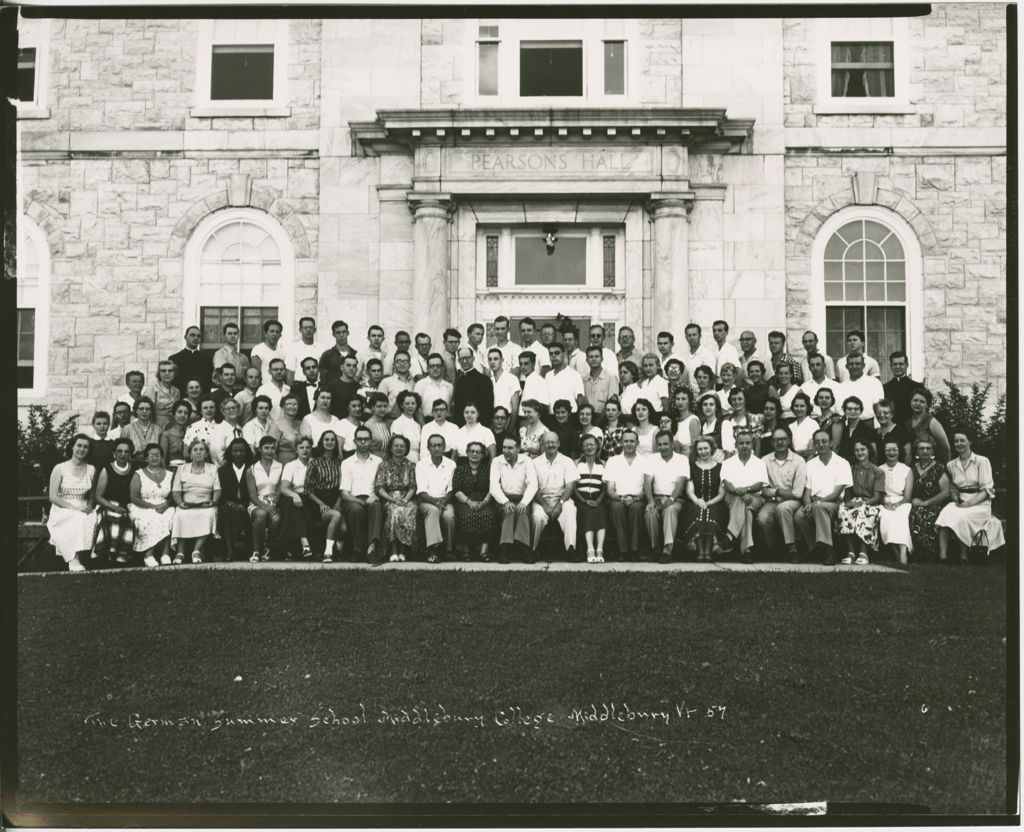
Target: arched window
[(238, 268), (33, 299), (867, 278)]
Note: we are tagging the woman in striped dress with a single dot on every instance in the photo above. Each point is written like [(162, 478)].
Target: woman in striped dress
[(72, 519), (589, 496), (113, 496), (380, 431)]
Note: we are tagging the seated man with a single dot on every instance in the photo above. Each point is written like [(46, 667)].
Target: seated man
[(624, 474), (364, 514), (434, 494), (556, 476), (664, 487), (513, 487), (787, 476), (743, 476), (828, 475)]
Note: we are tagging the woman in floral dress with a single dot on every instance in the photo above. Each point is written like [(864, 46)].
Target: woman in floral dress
[(930, 494), (395, 484), (857, 520), (707, 515), (151, 510)]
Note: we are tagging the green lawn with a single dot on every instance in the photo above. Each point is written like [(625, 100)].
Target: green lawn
[(825, 680)]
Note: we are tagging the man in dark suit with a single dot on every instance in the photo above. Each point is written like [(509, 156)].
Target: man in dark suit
[(344, 389), (190, 363), (233, 513), (900, 387), (472, 386), (306, 389)]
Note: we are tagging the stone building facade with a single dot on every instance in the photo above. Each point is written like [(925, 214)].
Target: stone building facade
[(400, 173)]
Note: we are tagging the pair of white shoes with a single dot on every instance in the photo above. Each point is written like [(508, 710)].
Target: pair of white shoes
[(75, 565), (595, 556), (861, 560), (397, 558)]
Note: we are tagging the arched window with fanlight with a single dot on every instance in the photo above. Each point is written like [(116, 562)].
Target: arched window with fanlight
[(238, 269), (33, 305), (867, 278)]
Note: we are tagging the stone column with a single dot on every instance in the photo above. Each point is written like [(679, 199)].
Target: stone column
[(431, 297), (670, 296)]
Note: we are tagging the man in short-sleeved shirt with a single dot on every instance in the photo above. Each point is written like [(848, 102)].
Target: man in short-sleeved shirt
[(743, 476), (828, 475), (434, 474), (298, 351), (625, 474), (269, 348), (599, 384), (534, 386), (359, 501), (556, 475), (563, 382), (505, 386), (664, 486), (513, 485), (787, 478), (434, 386)]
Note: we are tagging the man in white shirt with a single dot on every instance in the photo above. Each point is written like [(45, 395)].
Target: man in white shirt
[(828, 475), (664, 486), (270, 347), (434, 473), (556, 476), (743, 477), (599, 384), (725, 353), (866, 388), (527, 327), (628, 349), (244, 397), (403, 343), (810, 344), (608, 358), (229, 353), (419, 359), (299, 351), (563, 382), (787, 478), (509, 350), (624, 474), (275, 388), (748, 352), (534, 386), (507, 391), (696, 355), (855, 346), (574, 356), (816, 379), (475, 341), (652, 385), (402, 380), (363, 510), (230, 428), (373, 349), (666, 342), (439, 426), (513, 486), (434, 386)]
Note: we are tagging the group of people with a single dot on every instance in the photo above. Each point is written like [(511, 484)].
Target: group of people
[(374, 455)]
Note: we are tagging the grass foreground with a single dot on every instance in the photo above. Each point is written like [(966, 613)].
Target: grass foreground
[(337, 687)]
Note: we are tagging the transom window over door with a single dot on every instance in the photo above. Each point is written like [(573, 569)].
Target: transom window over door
[(865, 273), (567, 257)]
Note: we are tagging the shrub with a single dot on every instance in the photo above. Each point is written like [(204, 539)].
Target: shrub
[(41, 445)]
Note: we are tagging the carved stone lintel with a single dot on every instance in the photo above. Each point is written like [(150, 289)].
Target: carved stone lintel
[(865, 187)]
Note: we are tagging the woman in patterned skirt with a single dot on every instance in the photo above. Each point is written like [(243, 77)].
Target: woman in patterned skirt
[(707, 513), (113, 496), (930, 494), (72, 519), (857, 520), (395, 484), (151, 509), (474, 506), (196, 492), (589, 494)]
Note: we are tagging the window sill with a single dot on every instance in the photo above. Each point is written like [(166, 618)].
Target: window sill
[(552, 290), (864, 107), (31, 111), (239, 111)]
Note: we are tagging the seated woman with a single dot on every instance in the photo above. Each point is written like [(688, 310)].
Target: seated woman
[(143, 429), (474, 506), (320, 420), (378, 423), (233, 514), (195, 492), (894, 518), (531, 429), (589, 493), (263, 484), (152, 511), (395, 484), (707, 515), (173, 439), (113, 496), (687, 423), (406, 425), (726, 382), (204, 427), (629, 375), (922, 425), (323, 497), (803, 425), (614, 425), (293, 486), (930, 495), (756, 387), (857, 520), (969, 517), (72, 520), (473, 431), (585, 419), (646, 430), (710, 410), (852, 427)]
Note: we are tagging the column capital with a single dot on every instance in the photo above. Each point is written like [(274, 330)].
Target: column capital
[(424, 204), (675, 204)]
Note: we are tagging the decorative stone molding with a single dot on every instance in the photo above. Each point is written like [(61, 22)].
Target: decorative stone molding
[(241, 193), (430, 205), (48, 222), (670, 205)]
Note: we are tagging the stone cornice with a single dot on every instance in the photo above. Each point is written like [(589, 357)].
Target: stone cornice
[(700, 129)]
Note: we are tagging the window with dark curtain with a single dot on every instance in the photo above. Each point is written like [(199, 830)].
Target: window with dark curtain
[(242, 72), (551, 67), (26, 80), (862, 70)]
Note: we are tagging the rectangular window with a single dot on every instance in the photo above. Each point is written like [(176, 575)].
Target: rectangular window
[(614, 67), (249, 318), (26, 349), (608, 249), (487, 82), (862, 69), (884, 328), (492, 261), (550, 67), (26, 81), (564, 265), (242, 72)]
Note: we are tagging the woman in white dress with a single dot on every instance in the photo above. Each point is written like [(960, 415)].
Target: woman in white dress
[(406, 424), (739, 420), (260, 424), (263, 481), (646, 430), (803, 425), (687, 423), (151, 509), (72, 520), (894, 518), (785, 390), (345, 430), (195, 492), (727, 380), (320, 419), (585, 418), (473, 431), (973, 490)]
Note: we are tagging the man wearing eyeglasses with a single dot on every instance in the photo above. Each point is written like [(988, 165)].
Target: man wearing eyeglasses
[(787, 477), (434, 386)]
